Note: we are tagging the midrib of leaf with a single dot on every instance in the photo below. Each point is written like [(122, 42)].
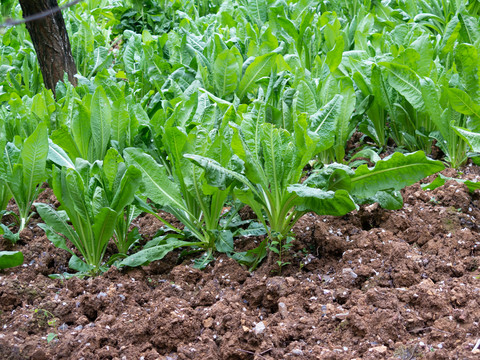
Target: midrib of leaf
[(118, 131), (71, 233), (100, 236), (145, 172), (360, 177), (84, 244), (465, 104), (326, 117), (343, 128), (225, 68), (274, 167), (258, 10), (256, 160), (193, 40), (123, 124), (7, 183), (97, 63), (467, 29), (305, 7), (216, 206), (257, 137), (9, 161), (10, 189), (222, 240), (102, 133), (252, 78), (32, 172), (220, 168), (177, 161), (384, 90), (407, 82), (85, 231), (67, 159), (156, 66), (199, 196), (343, 124)]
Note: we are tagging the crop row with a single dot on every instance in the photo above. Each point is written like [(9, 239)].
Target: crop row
[(217, 105)]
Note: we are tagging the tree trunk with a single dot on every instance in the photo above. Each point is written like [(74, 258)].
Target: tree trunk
[(50, 38)]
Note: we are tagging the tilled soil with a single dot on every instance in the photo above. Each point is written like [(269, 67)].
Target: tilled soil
[(374, 284)]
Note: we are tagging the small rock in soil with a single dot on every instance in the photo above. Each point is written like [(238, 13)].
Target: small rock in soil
[(259, 328)]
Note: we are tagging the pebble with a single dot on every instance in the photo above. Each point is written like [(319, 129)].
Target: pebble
[(341, 316), (297, 352), (101, 295), (63, 327), (350, 272), (208, 322), (382, 349), (78, 328), (282, 309), (259, 328)]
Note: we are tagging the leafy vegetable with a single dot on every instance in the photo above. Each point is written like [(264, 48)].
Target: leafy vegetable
[(119, 184), (92, 207), (185, 194), (23, 171), (274, 160)]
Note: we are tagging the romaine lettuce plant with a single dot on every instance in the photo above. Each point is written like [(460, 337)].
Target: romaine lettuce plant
[(5, 197), (93, 124), (23, 115), (91, 208), (186, 194), (23, 171), (88, 134), (5, 194), (274, 160), (119, 185)]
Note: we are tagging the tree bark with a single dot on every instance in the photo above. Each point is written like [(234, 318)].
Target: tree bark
[(51, 42)]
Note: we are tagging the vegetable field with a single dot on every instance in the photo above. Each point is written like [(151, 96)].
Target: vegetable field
[(243, 179)]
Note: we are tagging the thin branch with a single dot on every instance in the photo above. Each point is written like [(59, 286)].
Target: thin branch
[(40, 15), (265, 351), (252, 353), (477, 345)]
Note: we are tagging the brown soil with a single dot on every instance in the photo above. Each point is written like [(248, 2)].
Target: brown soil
[(374, 284)]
